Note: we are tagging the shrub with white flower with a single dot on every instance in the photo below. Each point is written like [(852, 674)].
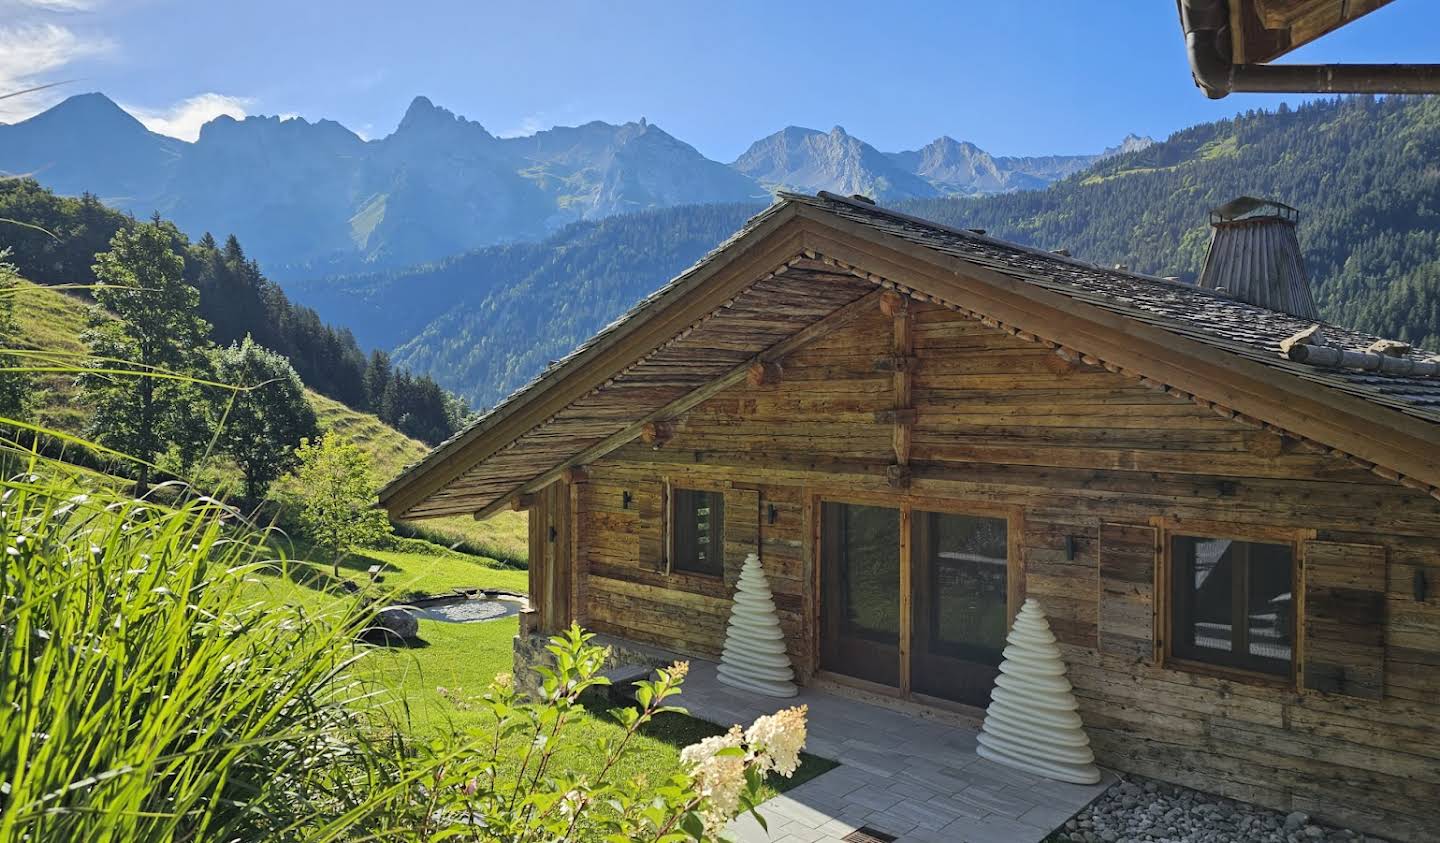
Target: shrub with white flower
[(721, 767), (470, 793)]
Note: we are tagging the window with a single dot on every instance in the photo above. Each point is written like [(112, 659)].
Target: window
[(1232, 603), (697, 519)]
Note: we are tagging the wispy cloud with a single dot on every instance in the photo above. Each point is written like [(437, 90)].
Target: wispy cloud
[(184, 119), (58, 6), (30, 55)]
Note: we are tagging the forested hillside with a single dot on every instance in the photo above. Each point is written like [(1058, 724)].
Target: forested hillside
[(1364, 172), (53, 240), (485, 323)]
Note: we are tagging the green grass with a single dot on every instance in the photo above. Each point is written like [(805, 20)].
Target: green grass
[(48, 320), (464, 657)]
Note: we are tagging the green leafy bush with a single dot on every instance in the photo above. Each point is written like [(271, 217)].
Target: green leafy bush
[(476, 794)]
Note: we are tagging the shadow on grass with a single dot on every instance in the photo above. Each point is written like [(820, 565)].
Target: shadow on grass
[(313, 567), (682, 730), (388, 640)]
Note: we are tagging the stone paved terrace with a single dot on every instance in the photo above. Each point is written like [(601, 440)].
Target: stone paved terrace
[(902, 774)]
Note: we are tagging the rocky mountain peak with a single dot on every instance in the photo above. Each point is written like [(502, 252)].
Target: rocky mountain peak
[(425, 117), (1130, 143)]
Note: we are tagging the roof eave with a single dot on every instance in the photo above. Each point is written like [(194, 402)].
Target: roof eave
[(529, 406)]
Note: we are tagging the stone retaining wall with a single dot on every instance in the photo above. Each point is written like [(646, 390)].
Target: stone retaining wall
[(530, 652)]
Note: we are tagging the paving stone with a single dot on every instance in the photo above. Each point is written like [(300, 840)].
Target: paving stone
[(796, 811), (874, 799), (989, 771), (881, 821), (999, 799), (911, 790), (909, 776), (797, 834), (883, 763), (992, 830), (927, 815), (839, 828), (1048, 817)]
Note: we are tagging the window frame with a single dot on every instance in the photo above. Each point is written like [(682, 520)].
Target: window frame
[(1167, 658), (672, 491)]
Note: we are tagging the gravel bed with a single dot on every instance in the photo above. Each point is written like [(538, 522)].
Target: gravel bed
[(1137, 809)]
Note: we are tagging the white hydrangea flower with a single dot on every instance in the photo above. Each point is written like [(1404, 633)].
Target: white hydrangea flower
[(776, 740), (719, 779)]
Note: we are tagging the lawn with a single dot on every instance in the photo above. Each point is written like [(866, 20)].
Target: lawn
[(463, 658)]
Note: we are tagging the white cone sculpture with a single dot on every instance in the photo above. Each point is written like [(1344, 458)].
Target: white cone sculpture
[(1031, 723), (754, 657)]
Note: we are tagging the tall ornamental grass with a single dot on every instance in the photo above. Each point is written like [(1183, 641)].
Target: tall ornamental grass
[(146, 697)]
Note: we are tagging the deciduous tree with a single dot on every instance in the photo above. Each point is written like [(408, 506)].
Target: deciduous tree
[(337, 496), (147, 316), (266, 419)]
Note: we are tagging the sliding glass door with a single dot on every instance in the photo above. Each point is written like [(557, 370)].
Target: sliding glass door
[(860, 606), (914, 600)]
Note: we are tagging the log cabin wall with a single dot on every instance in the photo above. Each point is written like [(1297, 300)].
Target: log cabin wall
[(1098, 465)]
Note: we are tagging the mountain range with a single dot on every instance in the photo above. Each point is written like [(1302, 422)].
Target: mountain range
[(314, 198), (1360, 169)]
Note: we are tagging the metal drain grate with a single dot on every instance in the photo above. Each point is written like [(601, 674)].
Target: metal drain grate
[(866, 834)]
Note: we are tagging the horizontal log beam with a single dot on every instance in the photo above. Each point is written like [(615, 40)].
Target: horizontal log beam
[(897, 363), (1358, 426)]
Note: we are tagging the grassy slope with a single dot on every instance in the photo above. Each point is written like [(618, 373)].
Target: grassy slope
[(503, 535), (53, 321)]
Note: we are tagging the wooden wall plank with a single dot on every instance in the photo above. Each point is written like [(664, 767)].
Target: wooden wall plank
[(1125, 615), (1345, 618)]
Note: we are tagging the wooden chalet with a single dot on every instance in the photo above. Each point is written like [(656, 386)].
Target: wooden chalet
[(1231, 518)]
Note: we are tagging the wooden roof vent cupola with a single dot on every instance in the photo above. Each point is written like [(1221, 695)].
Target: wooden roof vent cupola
[(1255, 257)]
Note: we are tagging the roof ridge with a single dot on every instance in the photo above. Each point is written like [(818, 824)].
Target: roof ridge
[(998, 241), (1068, 260)]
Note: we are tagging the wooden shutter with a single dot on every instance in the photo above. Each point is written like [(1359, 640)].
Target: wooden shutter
[(1125, 618), (1344, 618), (742, 530)]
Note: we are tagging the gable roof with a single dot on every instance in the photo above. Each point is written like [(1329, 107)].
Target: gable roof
[(802, 267)]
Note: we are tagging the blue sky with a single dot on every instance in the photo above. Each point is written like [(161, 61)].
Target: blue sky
[(1019, 77)]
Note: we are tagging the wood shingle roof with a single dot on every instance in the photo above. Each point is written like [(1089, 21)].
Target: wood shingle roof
[(767, 288)]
